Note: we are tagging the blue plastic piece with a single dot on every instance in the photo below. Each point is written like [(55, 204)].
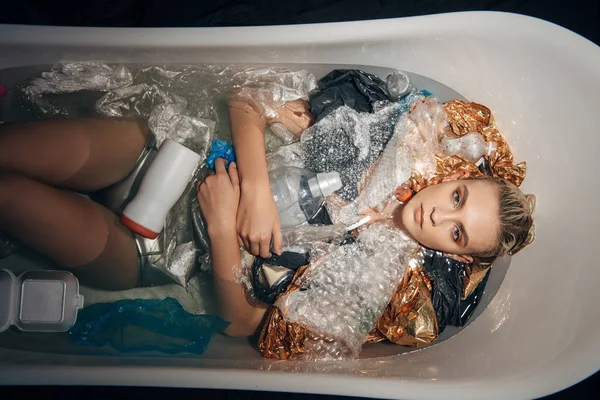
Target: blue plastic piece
[(145, 325), (220, 149)]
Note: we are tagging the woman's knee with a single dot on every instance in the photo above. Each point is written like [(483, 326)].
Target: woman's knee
[(11, 188)]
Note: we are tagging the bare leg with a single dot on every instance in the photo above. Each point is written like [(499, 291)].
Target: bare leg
[(71, 230), (80, 155), (76, 154)]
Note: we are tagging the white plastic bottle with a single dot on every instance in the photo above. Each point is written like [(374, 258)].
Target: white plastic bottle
[(300, 193), (163, 184)]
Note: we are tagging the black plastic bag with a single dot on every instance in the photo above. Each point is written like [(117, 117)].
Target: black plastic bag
[(446, 275), (350, 87)]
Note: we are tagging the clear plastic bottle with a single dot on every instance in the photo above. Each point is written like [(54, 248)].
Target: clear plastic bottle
[(300, 193)]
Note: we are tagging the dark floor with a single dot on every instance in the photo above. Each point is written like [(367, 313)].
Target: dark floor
[(586, 390), (580, 16)]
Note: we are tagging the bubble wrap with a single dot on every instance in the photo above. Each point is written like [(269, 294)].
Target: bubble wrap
[(348, 142), (411, 150), (344, 291), (180, 102)]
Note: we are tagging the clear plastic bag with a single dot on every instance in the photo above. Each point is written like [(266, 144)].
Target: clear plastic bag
[(180, 102)]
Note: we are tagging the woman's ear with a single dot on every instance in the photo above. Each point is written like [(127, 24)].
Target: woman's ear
[(460, 257)]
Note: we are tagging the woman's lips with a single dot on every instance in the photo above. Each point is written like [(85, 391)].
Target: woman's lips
[(419, 216)]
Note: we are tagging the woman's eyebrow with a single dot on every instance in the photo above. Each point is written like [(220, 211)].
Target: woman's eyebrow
[(465, 196), (465, 237)]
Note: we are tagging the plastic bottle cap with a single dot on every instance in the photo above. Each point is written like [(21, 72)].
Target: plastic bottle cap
[(137, 228), (329, 182)]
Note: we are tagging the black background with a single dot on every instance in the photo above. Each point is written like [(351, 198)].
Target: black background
[(580, 16)]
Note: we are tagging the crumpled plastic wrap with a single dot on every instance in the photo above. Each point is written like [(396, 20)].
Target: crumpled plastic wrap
[(343, 292), (181, 102), (311, 239), (290, 155), (410, 151), (348, 142), (74, 77)]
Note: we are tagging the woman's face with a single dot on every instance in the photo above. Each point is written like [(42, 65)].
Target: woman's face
[(457, 217)]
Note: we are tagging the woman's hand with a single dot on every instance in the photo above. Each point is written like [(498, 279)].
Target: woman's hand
[(258, 220), (295, 116), (219, 197)]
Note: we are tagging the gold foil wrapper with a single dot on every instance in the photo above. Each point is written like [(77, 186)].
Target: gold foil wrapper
[(473, 277), (279, 338), (472, 117), (409, 319)]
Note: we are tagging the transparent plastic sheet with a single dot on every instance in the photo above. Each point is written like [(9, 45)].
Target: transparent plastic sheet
[(314, 239), (344, 291), (290, 155), (348, 142), (74, 77), (308, 235), (145, 325), (419, 123), (182, 103)]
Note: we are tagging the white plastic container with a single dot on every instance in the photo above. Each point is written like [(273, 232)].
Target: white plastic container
[(540, 333), (39, 301), (163, 184)]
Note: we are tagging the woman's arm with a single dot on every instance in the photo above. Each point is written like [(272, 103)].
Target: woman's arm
[(257, 217), (219, 196)]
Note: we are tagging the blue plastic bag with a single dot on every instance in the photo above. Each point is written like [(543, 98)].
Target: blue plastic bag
[(220, 149), (145, 325)]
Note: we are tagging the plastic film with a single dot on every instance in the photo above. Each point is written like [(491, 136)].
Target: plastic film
[(180, 102), (419, 124), (343, 292)]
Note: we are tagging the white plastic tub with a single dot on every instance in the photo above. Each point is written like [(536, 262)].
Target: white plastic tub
[(541, 332)]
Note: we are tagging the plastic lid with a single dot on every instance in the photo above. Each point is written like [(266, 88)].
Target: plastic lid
[(329, 182), (137, 228), (39, 301)]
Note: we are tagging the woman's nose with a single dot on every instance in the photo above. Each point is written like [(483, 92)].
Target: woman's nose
[(440, 215)]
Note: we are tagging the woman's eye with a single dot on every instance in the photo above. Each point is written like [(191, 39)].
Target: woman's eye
[(456, 198), (456, 234)]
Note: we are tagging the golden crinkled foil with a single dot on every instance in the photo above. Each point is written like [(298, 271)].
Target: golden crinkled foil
[(279, 338), (473, 277), (464, 118), (375, 336), (409, 319)]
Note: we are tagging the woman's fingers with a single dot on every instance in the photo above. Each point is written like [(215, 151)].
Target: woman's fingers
[(220, 166)]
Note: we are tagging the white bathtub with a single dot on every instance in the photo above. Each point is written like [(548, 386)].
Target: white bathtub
[(541, 332)]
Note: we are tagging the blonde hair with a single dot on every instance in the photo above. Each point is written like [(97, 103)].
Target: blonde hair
[(517, 228)]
